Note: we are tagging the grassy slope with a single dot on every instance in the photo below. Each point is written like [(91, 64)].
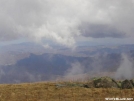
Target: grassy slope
[(49, 92)]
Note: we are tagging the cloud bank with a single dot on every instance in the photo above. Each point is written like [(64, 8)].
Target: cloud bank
[(63, 21)]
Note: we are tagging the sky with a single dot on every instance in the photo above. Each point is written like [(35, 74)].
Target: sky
[(67, 22)]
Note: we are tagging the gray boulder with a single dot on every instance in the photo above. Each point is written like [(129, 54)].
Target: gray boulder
[(132, 81), (90, 84), (119, 83), (126, 84), (105, 82)]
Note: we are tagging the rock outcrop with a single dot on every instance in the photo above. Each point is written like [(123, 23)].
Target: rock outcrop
[(105, 82), (126, 84), (101, 82)]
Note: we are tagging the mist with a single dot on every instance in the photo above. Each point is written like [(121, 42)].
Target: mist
[(75, 72), (125, 70)]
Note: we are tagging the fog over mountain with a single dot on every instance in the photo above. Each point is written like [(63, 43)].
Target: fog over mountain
[(36, 63), (55, 39)]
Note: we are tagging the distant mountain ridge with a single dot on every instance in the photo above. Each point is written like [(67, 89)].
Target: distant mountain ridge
[(43, 65)]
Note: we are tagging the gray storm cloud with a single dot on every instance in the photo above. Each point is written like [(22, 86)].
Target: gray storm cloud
[(62, 21)]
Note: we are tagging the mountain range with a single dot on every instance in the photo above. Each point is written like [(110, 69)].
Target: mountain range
[(28, 62)]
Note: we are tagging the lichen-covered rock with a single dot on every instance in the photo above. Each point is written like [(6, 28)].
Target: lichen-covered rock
[(105, 82), (90, 84), (126, 84), (69, 84), (119, 83), (132, 81)]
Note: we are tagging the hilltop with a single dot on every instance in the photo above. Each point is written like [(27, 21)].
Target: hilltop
[(61, 91)]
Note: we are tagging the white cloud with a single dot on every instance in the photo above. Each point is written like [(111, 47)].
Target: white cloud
[(60, 20)]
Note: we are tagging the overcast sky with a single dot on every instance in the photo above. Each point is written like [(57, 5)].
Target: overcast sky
[(67, 22)]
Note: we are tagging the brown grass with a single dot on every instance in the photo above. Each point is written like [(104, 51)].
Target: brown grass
[(49, 92)]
